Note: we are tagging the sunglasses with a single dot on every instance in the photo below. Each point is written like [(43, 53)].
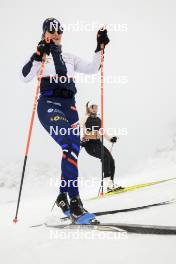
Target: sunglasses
[(52, 31)]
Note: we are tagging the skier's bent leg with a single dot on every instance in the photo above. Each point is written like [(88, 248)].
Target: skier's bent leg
[(70, 145), (69, 169)]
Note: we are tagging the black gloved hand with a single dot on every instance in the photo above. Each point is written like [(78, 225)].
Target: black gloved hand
[(113, 139), (102, 38), (42, 47)]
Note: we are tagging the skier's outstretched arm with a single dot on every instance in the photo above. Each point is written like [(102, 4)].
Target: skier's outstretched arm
[(93, 66), (83, 66)]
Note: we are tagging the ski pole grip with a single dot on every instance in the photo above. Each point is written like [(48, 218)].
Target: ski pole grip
[(44, 57), (102, 46)]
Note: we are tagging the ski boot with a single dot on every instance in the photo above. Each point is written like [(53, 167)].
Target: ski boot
[(63, 203), (79, 215), (110, 186), (114, 188)]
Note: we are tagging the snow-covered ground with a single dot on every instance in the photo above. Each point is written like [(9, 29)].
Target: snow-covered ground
[(23, 244)]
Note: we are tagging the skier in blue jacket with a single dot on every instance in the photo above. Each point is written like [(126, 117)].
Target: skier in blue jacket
[(57, 111)]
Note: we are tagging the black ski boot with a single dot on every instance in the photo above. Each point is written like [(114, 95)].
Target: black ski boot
[(63, 203), (79, 214)]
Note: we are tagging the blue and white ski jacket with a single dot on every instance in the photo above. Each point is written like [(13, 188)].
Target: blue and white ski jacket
[(61, 64)]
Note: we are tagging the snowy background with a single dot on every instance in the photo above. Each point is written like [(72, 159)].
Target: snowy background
[(145, 105)]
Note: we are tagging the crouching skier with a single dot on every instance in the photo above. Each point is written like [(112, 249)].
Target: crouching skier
[(91, 140), (56, 108)]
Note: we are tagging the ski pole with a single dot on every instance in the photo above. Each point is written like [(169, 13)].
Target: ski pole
[(102, 117), (15, 220)]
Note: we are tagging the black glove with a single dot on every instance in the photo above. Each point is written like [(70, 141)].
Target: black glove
[(113, 139), (102, 38), (43, 47)]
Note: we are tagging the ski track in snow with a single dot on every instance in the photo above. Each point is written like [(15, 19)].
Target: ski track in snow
[(40, 245)]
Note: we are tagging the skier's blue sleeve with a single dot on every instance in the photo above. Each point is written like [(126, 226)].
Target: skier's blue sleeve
[(30, 70), (27, 68)]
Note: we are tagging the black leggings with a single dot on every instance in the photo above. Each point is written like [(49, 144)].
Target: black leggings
[(93, 148)]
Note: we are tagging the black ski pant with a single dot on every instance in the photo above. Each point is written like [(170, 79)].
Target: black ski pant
[(94, 148)]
